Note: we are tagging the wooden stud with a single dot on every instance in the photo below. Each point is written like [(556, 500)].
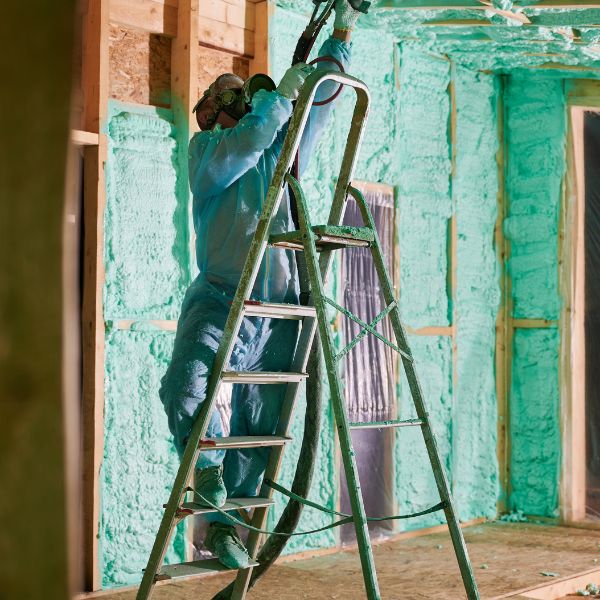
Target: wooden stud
[(503, 329), (573, 371), (261, 63), (184, 83), (95, 87), (453, 249)]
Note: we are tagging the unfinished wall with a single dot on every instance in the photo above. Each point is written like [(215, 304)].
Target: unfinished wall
[(443, 165), (536, 138)]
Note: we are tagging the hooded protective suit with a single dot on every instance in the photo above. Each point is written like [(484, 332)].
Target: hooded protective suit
[(230, 172)]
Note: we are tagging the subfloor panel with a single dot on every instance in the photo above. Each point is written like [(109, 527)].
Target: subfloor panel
[(506, 557)]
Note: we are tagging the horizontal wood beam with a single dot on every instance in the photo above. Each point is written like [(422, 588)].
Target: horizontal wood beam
[(433, 331), (225, 36), (83, 138), (152, 16), (221, 24)]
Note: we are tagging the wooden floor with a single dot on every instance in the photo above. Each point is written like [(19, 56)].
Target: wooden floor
[(507, 557)]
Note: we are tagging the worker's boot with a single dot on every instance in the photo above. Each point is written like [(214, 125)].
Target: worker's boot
[(224, 542), (210, 487)]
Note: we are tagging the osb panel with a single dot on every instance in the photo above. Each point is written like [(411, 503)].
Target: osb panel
[(211, 63), (140, 66)]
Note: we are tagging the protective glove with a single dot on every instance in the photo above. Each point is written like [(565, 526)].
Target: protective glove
[(293, 79), (345, 15)]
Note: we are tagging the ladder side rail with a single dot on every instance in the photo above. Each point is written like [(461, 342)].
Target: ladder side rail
[(419, 401), (309, 326), (337, 398), (232, 325)]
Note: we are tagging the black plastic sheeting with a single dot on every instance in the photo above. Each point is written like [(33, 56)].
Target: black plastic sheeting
[(370, 367), (592, 308)]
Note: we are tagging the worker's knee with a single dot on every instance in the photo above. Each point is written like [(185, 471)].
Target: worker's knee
[(184, 385)]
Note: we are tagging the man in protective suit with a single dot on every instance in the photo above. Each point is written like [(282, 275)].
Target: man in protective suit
[(231, 164)]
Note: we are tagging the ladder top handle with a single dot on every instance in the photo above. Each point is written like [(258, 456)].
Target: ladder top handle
[(317, 77)]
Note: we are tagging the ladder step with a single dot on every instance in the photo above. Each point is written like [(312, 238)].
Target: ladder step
[(262, 377), (386, 424), (253, 308), (192, 508), (197, 567), (329, 237), (243, 441)]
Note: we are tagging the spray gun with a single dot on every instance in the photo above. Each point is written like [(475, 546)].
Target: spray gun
[(318, 18)]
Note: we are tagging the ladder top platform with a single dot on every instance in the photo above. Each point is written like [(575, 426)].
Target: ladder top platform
[(328, 236)]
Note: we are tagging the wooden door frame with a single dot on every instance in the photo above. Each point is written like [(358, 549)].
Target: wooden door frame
[(572, 281)]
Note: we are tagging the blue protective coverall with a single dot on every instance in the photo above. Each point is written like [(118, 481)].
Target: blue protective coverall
[(230, 172)]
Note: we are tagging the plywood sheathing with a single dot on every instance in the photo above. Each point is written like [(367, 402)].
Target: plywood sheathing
[(140, 66), (226, 25), (212, 62)]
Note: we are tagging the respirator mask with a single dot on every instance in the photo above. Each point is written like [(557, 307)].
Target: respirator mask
[(233, 100)]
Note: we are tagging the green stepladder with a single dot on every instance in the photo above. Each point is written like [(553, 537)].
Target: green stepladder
[(318, 244)]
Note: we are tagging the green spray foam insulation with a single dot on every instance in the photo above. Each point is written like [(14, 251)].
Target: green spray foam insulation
[(140, 462), (145, 279), (536, 140), (145, 216), (534, 422)]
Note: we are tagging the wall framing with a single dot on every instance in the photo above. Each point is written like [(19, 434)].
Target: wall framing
[(95, 104), (224, 25)]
